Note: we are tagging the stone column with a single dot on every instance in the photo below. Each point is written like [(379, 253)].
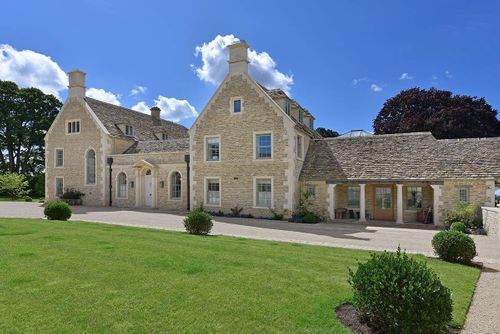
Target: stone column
[(137, 187), (331, 201), (435, 206), (399, 204), (362, 203)]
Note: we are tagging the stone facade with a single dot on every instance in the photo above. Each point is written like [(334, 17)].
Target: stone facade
[(147, 159), (237, 167), (491, 222)]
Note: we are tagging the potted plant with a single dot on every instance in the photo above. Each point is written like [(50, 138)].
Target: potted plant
[(72, 197)]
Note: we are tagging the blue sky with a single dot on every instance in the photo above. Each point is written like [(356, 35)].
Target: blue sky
[(345, 58)]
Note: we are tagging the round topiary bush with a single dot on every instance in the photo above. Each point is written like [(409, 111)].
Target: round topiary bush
[(454, 246), (198, 222), (57, 211), (394, 293), (310, 218), (458, 226)]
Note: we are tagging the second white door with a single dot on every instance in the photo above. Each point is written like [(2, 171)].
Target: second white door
[(148, 190)]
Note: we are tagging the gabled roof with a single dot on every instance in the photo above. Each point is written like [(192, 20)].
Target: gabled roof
[(153, 146), (144, 125), (408, 156)]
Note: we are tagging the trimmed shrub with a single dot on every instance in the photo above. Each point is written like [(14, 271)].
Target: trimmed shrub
[(458, 226), (57, 211), (198, 222), (454, 246), (310, 218), (28, 199), (394, 293)]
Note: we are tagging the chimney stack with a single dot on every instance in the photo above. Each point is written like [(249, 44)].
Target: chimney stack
[(238, 58), (155, 112), (76, 84)]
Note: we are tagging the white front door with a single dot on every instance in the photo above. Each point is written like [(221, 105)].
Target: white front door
[(148, 190)]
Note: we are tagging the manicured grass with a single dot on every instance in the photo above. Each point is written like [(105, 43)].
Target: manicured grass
[(9, 199), (76, 277)]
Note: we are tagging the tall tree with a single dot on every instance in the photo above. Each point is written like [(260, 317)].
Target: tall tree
[(327, 132), (25, 116), (438, 111)]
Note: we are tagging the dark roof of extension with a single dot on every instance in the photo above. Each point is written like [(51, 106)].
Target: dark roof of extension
[(408, 156), (279, 93), (144, 125), (154, 146)]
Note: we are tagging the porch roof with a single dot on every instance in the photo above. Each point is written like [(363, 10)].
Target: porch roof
[(408, 157)]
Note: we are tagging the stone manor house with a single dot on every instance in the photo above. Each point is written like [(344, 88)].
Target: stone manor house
[(256, 148)]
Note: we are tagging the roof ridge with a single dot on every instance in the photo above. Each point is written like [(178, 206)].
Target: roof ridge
[(449, 140), (133, 111), (404, 134)]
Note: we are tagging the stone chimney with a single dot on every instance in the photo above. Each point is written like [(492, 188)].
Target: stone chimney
[(155, 112), (238, 58), (76, 84)]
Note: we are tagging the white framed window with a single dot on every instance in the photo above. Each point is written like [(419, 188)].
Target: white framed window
[(263, 146), (263, 192), (464, 195), (164, 136), (59, 157), (353, 196), (301, 116), (311, 191), (300, 147), (212, 191), (90, 167), (286, 106), (129, 130), (59, 186), (236, 105), (212, 148), (121, 185), (413, 197), (311, 123), (175, 186), (73, 126)]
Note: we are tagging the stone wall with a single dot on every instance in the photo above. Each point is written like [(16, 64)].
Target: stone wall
[(491, 222), (481, 192), (237, 167), (75, 146)]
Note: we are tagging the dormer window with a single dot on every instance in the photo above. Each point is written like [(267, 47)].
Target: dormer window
[(164, 136), (286, 107), (236, 105), (301, 116), (129, 130), (311, 123)]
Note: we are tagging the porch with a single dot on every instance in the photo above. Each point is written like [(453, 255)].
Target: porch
[(403, 202)]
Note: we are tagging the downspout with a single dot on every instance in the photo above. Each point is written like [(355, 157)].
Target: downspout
[(188, 189)]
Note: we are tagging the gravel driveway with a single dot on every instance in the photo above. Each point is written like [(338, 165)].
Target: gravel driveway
[(484, 314)]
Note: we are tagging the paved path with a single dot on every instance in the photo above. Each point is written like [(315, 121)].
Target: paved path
[(484, 314)]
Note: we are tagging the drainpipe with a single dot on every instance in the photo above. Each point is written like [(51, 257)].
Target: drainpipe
[(110, 163), (186, 159)]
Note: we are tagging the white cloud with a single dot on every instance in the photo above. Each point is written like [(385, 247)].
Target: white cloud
[(171, 108), (262, 67), (102, 95), (138, 90), (142, 107), (405, 76), (31, 69), (376, 88), (448, 74), (357, 81)]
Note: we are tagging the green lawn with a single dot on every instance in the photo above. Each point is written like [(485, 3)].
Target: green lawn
[(78, 277), (9, 199)]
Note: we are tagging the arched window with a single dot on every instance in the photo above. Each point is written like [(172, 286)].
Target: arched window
[(122, 185), (90, 167), (175, 185)]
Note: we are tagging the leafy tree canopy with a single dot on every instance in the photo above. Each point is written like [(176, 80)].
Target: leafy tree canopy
[(438, 111), (327, 132), (25, 116)]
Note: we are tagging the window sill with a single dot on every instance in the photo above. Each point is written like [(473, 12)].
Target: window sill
[(213, 205)]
